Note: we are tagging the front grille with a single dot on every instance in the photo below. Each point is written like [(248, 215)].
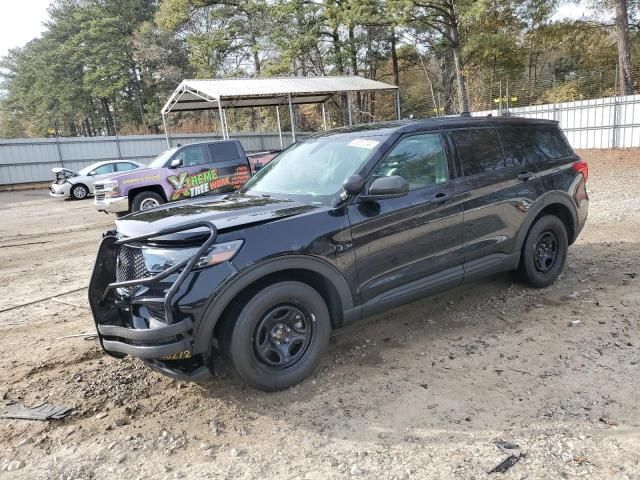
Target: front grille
[(97, 186), (99, 196), (130, 265)]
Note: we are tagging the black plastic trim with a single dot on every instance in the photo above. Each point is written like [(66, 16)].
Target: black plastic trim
[(146, 334), (147, 351)]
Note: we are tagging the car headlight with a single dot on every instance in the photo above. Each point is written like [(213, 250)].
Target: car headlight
[(111, 188), (157, 259)]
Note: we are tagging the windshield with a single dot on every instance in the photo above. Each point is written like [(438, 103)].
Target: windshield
[(316, 167), (162, 159)]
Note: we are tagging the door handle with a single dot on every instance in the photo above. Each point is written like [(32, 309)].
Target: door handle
[(525, 176), (440, 198)]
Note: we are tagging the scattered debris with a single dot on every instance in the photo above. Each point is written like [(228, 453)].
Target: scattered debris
[(505, 465), (574, 323), (41, 412), (90, 335), (514, 456)]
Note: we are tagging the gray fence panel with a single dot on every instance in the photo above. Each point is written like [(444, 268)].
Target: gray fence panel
[(31, 160)]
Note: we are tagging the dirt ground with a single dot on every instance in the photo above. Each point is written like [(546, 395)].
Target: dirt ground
[(423, 391)]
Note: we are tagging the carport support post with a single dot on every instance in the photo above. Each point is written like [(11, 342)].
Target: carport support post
[(398, 103), (279, 127), (349, 108), (324, 117), (226, 125), (221, 119), (293, 120), (166, 132)]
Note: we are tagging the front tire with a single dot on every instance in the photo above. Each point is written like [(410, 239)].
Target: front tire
[(279, 336), (544, 252), (145, 201), (79, 192)]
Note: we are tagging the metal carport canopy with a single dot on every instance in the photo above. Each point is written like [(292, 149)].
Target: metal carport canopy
[(255, 92)]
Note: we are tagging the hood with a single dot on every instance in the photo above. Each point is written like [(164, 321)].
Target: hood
[(64, 171), (225, 212)]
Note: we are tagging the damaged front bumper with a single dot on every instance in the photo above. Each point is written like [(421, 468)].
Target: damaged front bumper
[(139, 317)]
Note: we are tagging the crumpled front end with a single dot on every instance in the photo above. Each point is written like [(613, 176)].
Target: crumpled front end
[(136, 312)]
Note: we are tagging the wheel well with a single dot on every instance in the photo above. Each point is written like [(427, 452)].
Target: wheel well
[(564, 214), (317, 281), (148, 188)]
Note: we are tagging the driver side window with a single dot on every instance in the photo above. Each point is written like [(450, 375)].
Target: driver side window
[(104, 169), (419, 159), (191, 156)]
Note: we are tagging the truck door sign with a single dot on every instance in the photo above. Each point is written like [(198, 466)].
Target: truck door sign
[(187, 186)]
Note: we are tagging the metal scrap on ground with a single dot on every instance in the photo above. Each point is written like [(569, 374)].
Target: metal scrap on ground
[(41, 412), (514, 457)]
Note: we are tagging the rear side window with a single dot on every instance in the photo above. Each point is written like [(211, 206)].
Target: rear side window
[(479, 150), (224, 151), (123, 167)]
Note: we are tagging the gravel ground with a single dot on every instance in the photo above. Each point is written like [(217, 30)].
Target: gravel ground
[(430, 390)]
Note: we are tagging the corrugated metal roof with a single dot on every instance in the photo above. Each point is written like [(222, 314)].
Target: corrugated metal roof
[(253, 92)]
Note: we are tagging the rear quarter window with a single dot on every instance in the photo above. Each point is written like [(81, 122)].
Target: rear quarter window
[(479, 150), (534, 143)]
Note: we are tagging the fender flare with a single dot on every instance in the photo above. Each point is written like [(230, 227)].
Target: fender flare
[(551, 198), (219, 301)]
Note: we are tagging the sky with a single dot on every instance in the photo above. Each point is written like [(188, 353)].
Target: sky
[(21, 20)]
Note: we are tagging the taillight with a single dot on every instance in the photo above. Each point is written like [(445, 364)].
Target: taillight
[(581, 167)]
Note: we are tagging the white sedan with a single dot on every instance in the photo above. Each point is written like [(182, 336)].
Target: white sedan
[(79, 185)]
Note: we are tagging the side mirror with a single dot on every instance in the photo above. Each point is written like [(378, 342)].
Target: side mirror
[(353, 185), (175, 163), (91, 173), (387, 187), (257, 166)]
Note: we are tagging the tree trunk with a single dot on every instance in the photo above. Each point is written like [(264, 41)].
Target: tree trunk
[(394, 58), (353, 55), (454, 34), (624, 48)]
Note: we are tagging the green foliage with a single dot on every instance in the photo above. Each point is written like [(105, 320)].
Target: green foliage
[(104, 65)]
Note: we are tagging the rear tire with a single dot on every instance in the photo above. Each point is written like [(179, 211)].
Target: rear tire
[(145, 201), (79, 192), (278, 337), (544, 252)]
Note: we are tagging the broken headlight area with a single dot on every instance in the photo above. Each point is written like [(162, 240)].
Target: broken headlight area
[(157, 259)]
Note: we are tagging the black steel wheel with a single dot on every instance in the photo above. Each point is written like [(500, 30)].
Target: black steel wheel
[(283, 336), (276, 338), (544, 252)]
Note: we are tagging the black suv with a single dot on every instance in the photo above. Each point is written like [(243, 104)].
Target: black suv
[(338, 227)]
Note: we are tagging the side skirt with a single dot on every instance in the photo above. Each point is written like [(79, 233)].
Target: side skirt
[(436, 283)]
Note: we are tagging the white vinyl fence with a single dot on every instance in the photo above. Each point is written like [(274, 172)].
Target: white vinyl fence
[(612, 122)]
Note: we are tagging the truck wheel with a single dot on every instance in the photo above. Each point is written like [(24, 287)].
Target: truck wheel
[(279, 336), (145, 201), (79, 191), (544, 252)]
